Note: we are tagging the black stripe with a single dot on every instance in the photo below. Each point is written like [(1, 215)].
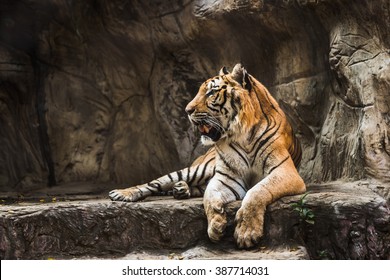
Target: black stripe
[(203, 171), (152, 189), (276, 166), (264, 114), (233, 179), (179, 175), (264, 141), (155, 185), (262, 109), (268, 128), (253, 132), (231, 189), (226, 163), (267, 95), (234, 108), (170, 177), (238, 152), (266, 147), (224, 99), (296, 154), (193, 176), (139, 189), (188, 174), (201, 191), (224, 111), (212, 109), (261, 138), (293, 151)]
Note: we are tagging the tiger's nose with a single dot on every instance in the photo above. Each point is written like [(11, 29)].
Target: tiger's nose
[(190, 109)]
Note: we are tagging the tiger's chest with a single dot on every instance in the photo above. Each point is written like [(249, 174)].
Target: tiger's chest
[(238, 163)]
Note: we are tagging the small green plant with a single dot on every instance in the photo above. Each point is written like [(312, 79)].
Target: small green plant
[(323, 254), (305, 214)]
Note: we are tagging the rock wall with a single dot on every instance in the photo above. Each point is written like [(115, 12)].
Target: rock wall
[(96, 90)]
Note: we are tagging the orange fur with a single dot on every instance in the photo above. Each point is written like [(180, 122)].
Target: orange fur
[(247, 115)]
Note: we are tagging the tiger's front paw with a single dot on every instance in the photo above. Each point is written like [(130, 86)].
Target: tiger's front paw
[(216, 217), (249, 226), (181, 190), (127, 195)]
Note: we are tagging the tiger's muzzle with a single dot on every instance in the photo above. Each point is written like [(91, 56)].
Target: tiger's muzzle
[(207, 127)]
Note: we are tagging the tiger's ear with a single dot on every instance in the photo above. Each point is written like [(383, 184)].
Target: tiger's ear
[(240, 75), (223, 71)]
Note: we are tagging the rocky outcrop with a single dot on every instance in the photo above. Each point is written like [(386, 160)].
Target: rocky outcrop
[(351, 221), (95, 90)]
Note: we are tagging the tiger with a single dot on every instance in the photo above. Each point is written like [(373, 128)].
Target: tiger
[(253, 156)]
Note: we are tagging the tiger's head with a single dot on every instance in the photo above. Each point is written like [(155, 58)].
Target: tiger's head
[(223, 108)]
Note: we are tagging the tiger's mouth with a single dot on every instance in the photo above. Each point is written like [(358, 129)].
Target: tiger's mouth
[(209, 131)]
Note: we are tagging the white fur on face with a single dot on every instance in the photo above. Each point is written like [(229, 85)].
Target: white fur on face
[(214, 84), (206, 141)]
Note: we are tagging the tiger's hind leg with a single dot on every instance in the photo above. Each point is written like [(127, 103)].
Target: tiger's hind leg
[(184, 183), (131, 194), (181, 190), (165, 184)]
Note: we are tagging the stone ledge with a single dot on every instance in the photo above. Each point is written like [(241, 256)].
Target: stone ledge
[(207, 251), (352, 221)]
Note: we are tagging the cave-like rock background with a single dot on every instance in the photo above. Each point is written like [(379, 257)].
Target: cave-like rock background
[(95, 90)]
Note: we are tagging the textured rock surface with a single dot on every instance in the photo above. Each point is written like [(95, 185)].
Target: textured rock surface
[(218, 252), (351, 222), (95, 90)]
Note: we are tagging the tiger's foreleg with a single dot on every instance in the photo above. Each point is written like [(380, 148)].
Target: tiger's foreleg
[(283, 180), (185, 183), (220, 191)]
